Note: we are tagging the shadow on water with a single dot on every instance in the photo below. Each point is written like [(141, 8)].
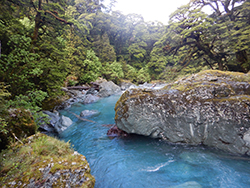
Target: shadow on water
[(139, 161)]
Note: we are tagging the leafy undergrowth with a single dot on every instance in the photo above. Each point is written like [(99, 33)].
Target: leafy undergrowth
[(44, 161)]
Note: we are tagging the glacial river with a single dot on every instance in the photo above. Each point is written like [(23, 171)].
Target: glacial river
[(140, 162)]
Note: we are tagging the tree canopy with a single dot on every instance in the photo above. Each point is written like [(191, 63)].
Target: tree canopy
[(45, 42), (220, 40)]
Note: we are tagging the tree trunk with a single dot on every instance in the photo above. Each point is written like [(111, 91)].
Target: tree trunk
[(220, 64), (242, 58), (37, 22)]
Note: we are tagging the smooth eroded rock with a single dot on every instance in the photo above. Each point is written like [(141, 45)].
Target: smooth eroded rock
[(56, 124), (210, 108), (108, 88), (90, 99)]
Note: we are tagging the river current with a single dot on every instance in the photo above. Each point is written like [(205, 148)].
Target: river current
[(140, 162)]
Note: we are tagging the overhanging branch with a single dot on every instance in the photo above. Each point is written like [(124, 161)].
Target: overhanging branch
[(60, 19)]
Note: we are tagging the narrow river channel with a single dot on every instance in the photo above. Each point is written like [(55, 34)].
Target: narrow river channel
[(140, 162)]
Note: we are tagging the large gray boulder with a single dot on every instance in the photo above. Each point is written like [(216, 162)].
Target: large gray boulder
[(108, 88), (210, 108), (90, 99), (56, 124), (63, 123), (126, 85)]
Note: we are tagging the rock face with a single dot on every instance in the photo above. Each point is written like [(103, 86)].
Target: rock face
[(210, 108)]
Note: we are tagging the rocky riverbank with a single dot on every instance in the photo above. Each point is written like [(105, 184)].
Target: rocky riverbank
[(100, 89), (210, 108), (85, 95)]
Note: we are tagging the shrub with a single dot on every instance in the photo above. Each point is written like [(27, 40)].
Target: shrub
[(113, 72), (19, 123)]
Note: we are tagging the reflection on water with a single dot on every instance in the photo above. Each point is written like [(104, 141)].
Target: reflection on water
[(139, 162)]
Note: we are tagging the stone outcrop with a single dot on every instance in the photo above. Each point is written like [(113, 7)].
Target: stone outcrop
[(73, 96), (210, 108), (39, 166), (79, 94)]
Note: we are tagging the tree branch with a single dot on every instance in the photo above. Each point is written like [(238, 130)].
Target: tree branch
[(171, 49), (17, 138), (208, 63), (60, 19), (32, 3)]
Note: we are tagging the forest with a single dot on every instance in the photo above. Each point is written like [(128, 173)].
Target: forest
[(47, 44)]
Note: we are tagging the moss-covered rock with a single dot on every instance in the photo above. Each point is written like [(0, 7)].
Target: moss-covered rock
[(43, 161), (211, 108)]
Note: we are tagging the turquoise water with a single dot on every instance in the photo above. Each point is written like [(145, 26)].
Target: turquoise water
[(142, 162)]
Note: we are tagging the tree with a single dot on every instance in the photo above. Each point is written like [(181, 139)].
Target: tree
[(143, 76), (20, 68), (208, 38), (113, 72), (103, 49), (91, 68)]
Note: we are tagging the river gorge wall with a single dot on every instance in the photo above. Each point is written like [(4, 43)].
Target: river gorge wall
[(210, 108)]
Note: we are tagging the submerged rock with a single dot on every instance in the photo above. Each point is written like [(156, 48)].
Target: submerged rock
[(210, 108), (87, 113), (189, 184)]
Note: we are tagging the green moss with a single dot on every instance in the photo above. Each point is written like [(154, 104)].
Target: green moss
[(24, 161), (209, 78), (234, 76), (134, 94), (238, 98)]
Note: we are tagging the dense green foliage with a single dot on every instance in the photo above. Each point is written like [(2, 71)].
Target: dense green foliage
[(44, 43), (220, 40)]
